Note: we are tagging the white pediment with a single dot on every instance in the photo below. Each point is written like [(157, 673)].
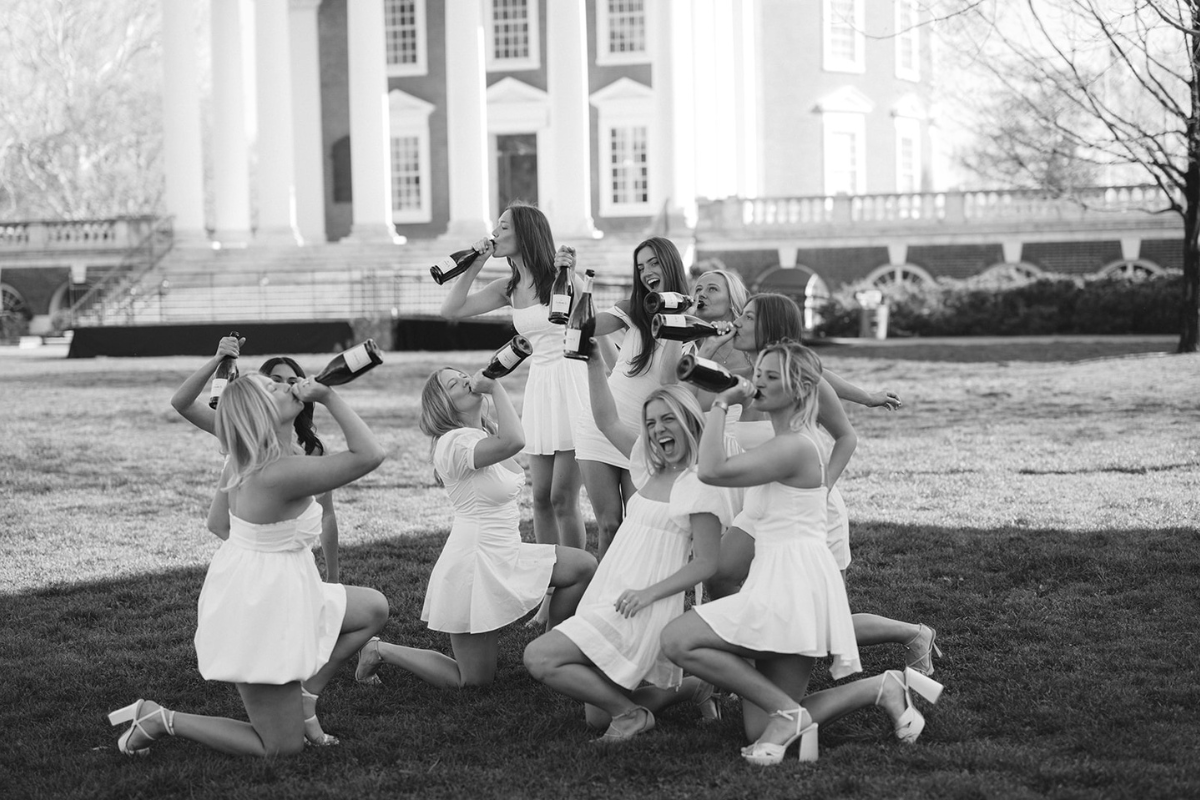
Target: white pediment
[(514, 106), (846, 100), (622, 90), (404, 104)]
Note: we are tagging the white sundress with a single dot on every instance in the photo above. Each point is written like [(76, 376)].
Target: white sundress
[(556, 388), (264, 614)]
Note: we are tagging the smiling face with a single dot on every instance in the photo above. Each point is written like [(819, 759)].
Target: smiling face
[(506, 236), (649, 270), (457, 385), (711, 294), (664, 429), (745, 338)]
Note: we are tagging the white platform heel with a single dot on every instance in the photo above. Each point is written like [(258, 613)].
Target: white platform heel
[(767, 754), (133, 713), (911, 722)]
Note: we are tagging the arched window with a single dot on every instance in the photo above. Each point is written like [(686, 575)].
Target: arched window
[(897, 275), (1139, 268), (14, 314)]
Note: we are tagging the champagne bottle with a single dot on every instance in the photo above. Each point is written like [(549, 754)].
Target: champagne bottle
[(508, 357), (667, 303), (705, 373), (226, 371), (681, 327), (348, 365), (455, 264), (561, 295), (581, 326)]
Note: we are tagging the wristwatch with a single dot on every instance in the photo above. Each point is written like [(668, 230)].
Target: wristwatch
[(721, 404)]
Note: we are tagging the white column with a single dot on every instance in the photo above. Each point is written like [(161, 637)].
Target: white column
[(722, 95), (306, 121), (230, 153), (182, 154), (276, 181), (672, 160), (746, 76), (569, 207), (466, 121), (370, 136)]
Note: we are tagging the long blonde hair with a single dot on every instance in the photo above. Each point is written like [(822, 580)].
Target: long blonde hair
[(801, 373), (686, 408), (439, 415), (246, 427)]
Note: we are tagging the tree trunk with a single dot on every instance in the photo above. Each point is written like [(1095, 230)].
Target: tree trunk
[(1189, 312)]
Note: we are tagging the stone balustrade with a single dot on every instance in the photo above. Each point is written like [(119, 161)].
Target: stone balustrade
[(116, 234)]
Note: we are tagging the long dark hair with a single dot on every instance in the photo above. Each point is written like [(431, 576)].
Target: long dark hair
[(776, 317), (306, 433), (536, 245), (674, 280)]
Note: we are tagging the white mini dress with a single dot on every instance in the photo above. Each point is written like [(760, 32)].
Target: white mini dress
[(556, 388), (653, 542), (793, 600), (486, 577), (264, 614)]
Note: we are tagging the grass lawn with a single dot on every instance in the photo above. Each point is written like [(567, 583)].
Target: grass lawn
[(1037, 504)]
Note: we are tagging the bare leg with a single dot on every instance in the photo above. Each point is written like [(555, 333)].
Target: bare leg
[(564, 500), (872, 629), (737, 551), (556, 661), (276, 725), (603, 482), (572, 572), (366, 614), (474, 662), (691, 643)]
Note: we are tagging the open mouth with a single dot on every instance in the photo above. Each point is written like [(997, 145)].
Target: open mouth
[(667, 443), (651, 281), (700, 304)]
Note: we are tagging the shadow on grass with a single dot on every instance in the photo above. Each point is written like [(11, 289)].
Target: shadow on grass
[(1070, 670)]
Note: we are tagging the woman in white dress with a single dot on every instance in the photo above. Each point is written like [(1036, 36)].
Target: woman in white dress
[(792, 608), (486, 577), (773, 317), (265, 620), (556, 387), (188, 401), (644, 364), (608, 655)]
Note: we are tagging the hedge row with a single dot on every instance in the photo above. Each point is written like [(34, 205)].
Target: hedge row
[(1048, 304)]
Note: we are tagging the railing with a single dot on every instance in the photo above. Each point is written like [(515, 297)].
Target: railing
[(310, 295), (746, 216), (117, 294), (121, 233)]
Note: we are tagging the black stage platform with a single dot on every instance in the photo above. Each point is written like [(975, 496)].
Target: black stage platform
[(269, 338)]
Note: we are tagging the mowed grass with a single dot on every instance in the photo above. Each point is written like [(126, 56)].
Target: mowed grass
[(1041, 512)]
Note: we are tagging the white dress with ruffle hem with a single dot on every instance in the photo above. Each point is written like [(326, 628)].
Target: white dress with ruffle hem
[(556, 388)]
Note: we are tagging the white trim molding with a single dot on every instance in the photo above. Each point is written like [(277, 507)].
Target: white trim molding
[(628, 106), (408, 117), (604, 13), (533, 41), (836, 22)]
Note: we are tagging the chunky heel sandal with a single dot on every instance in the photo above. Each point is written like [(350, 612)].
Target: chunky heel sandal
[(768, 754), (364, 673), (133, 714), (911, 722)]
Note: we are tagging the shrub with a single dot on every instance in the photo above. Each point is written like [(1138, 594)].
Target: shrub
[(1012, 305)]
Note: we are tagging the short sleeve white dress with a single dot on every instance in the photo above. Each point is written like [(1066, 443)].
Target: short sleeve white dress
[(793, 600), (556, 388), (264, 615), (629, 391), (653, 542), (486, 577)]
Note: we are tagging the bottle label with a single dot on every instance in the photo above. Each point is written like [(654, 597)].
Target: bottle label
[(572, 342), (446, 264), (674, 320), (508, 357), (356, 357), (218, 386), (560, 304)]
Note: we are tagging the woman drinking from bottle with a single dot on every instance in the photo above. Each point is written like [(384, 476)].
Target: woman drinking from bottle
[(265, 621), (279, 369), (644, 364), (486, 577), (556, 387), (792, 608), (769, 318)]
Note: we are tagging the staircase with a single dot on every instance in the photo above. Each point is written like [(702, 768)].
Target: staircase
[(342, 280)]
